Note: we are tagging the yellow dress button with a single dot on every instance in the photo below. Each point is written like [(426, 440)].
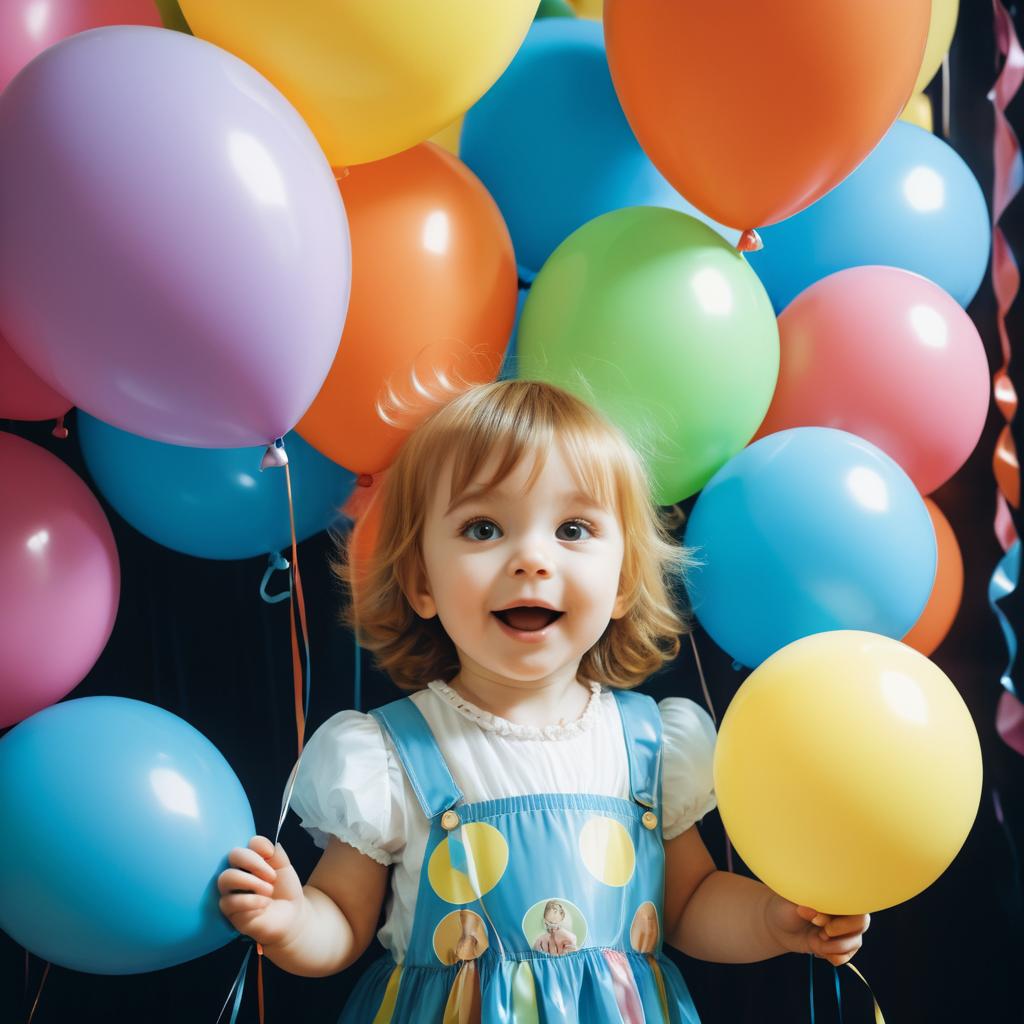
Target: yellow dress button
[(650, 819), (450, 820)]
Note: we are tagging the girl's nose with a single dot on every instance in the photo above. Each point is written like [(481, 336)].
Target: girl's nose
[(530, 562)]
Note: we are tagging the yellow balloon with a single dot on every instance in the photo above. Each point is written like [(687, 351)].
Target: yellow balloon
[(940, 35), (848, 772), (593, 9), (448, 138), (918, 111), (370, 77)]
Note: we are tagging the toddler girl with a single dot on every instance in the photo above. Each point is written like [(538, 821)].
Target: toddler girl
[(519, 588)]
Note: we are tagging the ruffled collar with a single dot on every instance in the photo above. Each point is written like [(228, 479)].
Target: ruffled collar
[(503, 727)]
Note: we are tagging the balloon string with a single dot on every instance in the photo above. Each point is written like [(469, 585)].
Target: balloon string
[(259, 981), (839, 993), (879, 1019), (42, 982), (301, 693), (357, 684), (703, 681), (945, 95), (236, 990), (810, 977), (714, 718), (1008, 175)]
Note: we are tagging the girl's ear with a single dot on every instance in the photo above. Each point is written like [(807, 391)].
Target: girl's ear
[(419, 595), (620, 607)]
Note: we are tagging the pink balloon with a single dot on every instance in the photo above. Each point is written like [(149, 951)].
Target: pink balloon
[(888, 355), (61, 580), (23, 396), (27, 27)]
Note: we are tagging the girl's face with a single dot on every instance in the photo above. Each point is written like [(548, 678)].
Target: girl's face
[(490, 557)]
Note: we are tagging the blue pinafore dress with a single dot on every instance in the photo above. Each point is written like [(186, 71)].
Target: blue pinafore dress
[(532, 909)]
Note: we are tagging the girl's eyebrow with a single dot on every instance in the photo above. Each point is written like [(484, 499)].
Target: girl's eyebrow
[(499, 494)]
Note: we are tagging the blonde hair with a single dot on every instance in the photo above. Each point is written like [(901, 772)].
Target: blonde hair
[(553, 905), (514, 419)]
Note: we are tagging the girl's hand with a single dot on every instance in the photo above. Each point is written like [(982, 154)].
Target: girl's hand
[(803, 930), (261, 894)]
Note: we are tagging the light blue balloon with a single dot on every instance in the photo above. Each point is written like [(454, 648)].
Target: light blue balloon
[(118, 817), (913, 203), (212, 502), (510, 363), (551, 143), (808, 530)]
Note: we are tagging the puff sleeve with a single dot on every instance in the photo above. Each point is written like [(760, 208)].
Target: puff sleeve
[(350, 785), (688, 746)]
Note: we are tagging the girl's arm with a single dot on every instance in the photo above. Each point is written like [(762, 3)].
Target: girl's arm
[(310, 930), (728, 918)]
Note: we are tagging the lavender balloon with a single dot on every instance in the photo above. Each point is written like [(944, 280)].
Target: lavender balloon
[(174, 256)]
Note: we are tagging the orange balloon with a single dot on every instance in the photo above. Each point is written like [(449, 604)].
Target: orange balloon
[(931, 628), (434, 291), (754, 109)]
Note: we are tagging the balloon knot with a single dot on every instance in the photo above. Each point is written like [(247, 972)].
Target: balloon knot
[(340, 173), (60, 431), (274, 456), (750, 241), (364, 480)]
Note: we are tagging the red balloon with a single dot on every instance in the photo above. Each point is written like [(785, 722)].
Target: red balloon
[(23, 396), (755, 108), (27, 27), (61, 579)]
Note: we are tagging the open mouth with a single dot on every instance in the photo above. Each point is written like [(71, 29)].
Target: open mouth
[(528, 618)]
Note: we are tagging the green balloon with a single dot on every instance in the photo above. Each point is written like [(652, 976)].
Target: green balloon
[(554, 9), (656, 320)]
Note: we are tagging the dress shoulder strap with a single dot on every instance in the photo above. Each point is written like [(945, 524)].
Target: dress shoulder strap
[(641, 728), (421, 757)]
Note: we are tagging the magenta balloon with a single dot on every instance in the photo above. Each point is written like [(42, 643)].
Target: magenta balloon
[(888, 355), (27, 27), (61, 580), (175, 253), (23, 396)]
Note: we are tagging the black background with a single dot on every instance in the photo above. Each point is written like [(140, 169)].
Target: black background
[(192, 636)]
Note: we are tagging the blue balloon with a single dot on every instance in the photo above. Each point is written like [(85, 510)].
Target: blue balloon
[(118, 817), (808, 530), (510, 363), (551, 143), (212, 502), (913, 203)]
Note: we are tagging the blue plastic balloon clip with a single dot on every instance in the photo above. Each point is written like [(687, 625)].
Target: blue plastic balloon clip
[(275, 562)]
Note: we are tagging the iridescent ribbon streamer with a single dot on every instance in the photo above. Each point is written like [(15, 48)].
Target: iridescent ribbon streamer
[(1009, 175), (659, 981)]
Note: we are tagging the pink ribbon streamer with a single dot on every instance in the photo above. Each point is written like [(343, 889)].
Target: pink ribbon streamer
[(1009, 176)]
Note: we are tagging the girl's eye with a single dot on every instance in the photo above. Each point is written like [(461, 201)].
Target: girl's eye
[(574, 529), (481, 529)]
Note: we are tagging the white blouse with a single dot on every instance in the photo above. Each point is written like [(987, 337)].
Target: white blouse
[(351, 784)]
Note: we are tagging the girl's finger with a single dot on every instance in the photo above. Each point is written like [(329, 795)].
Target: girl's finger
[(848, 925), (263, 846), (232, 880), (251, 861), (240, 903), (831, 948)]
